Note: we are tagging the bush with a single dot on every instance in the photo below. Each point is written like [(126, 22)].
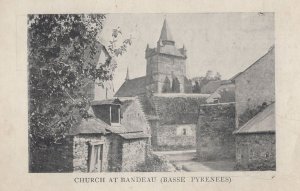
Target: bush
[(155, 163)]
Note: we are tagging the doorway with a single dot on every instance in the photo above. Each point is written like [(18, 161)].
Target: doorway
[(95, 157)]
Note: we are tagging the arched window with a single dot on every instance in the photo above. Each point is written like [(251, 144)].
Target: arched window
[(175, 85), (167, 86)]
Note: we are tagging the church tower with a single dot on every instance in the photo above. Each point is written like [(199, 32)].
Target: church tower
[(166, 68)]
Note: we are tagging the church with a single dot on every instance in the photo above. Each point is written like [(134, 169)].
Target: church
[(165, 71), (165, 94)]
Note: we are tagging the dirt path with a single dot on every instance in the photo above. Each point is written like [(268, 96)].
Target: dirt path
[(185, 160)]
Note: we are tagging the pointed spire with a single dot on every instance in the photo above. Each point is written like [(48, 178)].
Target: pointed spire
[(165, 35), (127, 75)]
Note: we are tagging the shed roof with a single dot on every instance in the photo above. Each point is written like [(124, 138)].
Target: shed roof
[(133, 87), (107, 102), (263, 122), (137, 135)]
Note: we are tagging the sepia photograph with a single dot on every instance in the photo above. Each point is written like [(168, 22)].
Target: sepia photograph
[(151, 92)]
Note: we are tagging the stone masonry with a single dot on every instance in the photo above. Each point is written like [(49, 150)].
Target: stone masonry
[(133, 154), (216, 124), (256, 151)]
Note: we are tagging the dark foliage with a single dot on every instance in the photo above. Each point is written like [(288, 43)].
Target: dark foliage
[(250, 113), (62, 53)]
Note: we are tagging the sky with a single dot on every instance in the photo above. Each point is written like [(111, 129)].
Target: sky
[(222, 42)]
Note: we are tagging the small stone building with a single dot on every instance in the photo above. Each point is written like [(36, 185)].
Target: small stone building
[(214, 137), (114, 138), (255, 142)]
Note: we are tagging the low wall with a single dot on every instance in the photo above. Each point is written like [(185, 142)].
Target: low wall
[(174, 137)]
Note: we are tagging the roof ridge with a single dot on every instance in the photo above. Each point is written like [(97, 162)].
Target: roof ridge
[(143, 112), (257, 61)]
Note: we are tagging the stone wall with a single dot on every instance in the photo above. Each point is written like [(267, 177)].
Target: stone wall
[(115, 153), (72, 155), (256, 151), (133, 154), (214, 137), (172, 137), (135, 118), (154, 125), (256, 85), (175, 112), (81, 151)]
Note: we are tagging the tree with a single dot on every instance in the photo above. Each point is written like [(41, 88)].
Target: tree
[(217, 76), (202, 81), (62, 53), (209, 75)]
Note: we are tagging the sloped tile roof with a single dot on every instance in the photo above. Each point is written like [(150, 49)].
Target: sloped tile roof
[(120, 128), (131, 88), (89, 126), (263, 122)]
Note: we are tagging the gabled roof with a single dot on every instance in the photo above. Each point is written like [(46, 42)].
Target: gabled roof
[(270, 51), (263, 122), (122, 128), (165, 34), (131, 88), (89, 126)]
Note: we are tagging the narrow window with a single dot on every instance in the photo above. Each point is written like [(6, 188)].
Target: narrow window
[(115, 114), (184, 131)]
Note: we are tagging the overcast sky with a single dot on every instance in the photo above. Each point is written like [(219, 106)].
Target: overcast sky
[(224, 42)]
